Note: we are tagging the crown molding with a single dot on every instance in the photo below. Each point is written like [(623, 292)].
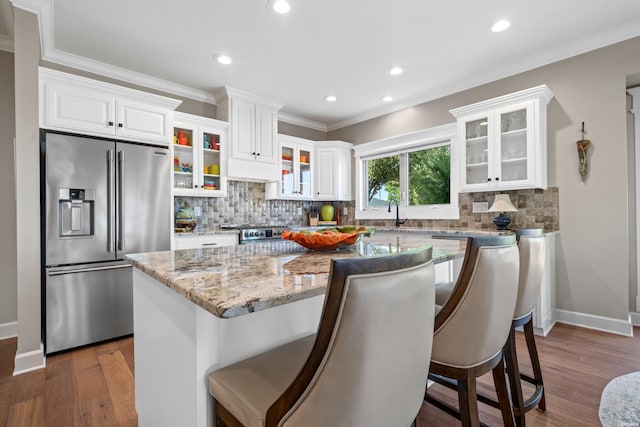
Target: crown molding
[(548, 56), (301, 121), (42, 9)]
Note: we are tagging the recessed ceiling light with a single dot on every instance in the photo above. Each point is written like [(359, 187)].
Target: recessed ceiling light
[(387, 98), (396, 71), (279, 6), (501, 25), (331, 98), (223, 59)]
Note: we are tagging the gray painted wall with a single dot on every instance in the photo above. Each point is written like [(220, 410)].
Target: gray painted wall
[(301, 132), (593, 248), (8, 311)]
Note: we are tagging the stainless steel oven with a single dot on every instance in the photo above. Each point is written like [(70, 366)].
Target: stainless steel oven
[(256, 232)]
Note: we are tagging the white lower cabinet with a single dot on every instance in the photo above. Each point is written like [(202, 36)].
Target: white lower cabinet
[(192, 241)]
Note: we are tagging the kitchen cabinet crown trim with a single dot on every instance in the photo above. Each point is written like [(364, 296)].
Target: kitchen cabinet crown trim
[(542, 93), (229, 92)]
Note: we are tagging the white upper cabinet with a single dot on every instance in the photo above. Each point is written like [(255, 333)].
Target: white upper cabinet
[(332, 179), (77, 104), (296, 161), (253, 128), (199, 156), (503, 142)]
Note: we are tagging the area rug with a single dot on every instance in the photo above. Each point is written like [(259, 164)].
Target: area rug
[(620, 402)]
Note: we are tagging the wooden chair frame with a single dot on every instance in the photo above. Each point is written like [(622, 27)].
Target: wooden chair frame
[(464, 380)]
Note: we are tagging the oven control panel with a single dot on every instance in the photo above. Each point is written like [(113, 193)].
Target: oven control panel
[(253, 234)]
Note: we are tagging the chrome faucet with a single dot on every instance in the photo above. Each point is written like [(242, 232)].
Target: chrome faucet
[(398, 220)]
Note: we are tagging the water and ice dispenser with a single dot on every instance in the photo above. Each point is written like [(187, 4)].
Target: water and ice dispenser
[(76, 212)]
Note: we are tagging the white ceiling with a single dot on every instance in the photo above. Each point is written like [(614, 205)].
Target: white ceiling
[(341, 47)]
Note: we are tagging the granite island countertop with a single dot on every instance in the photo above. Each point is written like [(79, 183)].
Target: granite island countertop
[(237, 280)]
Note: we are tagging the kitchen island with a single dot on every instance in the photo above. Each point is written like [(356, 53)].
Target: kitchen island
[(198, 310)]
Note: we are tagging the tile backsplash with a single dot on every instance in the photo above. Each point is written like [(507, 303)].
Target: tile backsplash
[(245, 204), (536, 209)]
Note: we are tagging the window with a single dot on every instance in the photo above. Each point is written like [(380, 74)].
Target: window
[(416, 171)]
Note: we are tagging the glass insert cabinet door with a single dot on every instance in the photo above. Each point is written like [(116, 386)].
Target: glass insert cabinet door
[(184, 159), (287, 173), (210, 161), (477, 151), (513, 146), (304, 180)]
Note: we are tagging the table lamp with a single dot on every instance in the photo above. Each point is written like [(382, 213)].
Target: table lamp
[(502, 203)]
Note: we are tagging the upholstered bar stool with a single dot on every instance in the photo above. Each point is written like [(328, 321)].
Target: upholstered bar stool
[(473, 324), (366, 366), (531, 247), (532, 253)]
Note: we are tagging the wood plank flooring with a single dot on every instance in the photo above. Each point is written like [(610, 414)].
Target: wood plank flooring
[(93, 386)]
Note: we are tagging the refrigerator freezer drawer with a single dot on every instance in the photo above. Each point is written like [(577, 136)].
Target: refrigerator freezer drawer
[(88, 304)]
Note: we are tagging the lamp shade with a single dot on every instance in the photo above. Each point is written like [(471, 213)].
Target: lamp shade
[(502, 203)]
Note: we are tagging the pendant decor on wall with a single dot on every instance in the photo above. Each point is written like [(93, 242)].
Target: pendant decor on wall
[(583, 148)]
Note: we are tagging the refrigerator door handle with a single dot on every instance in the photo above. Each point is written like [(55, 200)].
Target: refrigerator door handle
[(121, 208), (110, 200), (87, 270)]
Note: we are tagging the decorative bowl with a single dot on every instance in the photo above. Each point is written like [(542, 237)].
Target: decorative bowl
[(328, 239)]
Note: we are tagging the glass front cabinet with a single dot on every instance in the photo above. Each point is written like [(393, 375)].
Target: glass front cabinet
[(199, 163), (503, 142), (296, 170)]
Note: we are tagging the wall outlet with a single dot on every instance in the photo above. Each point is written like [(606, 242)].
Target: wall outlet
[(345, 211), (197, 210), (299, 211), (480, 207)]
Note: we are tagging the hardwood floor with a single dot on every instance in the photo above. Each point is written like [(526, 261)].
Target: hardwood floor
[(93, 386)]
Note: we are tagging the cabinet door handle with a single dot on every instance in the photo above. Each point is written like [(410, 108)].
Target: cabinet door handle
[(195, 186), (497, 178), (110, 123), (257, 154), (489, 179), (209, 244), (120, 125), (254, 153), (202, 186)]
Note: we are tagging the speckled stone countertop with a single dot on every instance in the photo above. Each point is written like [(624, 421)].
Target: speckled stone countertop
[(232, 281)]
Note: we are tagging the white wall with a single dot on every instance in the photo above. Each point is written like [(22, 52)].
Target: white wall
[(27, 56), (593, 247)]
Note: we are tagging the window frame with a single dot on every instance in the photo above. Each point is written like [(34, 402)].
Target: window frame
[(402, 145)]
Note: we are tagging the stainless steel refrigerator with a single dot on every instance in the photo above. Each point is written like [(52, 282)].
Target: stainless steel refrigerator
[(101, 199)]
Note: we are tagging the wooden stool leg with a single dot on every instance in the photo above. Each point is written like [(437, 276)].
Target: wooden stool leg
[(468, 401), (513, 371), (535, 362), (500, 382)]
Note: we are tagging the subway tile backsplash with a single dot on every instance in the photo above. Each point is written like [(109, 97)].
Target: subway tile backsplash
[(245, 204)]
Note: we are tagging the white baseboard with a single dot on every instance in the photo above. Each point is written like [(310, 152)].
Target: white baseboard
[(635, 317), (600, 323), (8, 330), (29, 361)]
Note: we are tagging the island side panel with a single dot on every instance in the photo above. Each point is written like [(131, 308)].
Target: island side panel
[(164, 354), (178, 344)]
